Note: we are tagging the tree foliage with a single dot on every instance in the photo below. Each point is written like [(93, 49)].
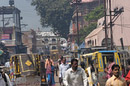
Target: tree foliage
[(55, 13), (92, 17), (96, 14)]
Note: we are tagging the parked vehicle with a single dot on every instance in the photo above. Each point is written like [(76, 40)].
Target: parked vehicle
[(25, 69)]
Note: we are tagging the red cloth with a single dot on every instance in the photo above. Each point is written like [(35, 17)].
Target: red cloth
[(48, 70), (109, 74), (128, 77)]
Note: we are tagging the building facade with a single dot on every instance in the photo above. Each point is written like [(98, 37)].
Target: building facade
[(50, 44), (83, 8), (120, 27), (10, 29), (29, 40)]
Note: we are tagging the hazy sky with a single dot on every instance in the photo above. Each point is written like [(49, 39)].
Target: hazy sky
[(28, 13)]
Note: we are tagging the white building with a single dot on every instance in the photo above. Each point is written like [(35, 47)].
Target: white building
[(48, 41)]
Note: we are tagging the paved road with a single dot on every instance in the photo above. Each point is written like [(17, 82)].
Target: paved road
[(57, 80)]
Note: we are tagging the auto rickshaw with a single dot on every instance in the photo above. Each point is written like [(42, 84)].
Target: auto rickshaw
[(96, 63), (25, 69), (124, 57)]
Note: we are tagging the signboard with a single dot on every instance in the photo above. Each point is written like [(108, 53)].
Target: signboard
[(1, 52), (74, 47), (5, 36), (30, 36), (9, 42), (83, 1), (8, 30), (88, 0)]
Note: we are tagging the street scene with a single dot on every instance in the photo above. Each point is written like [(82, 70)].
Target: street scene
[(64, 43)]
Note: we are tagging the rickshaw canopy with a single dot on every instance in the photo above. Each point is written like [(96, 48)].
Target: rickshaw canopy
[(89, 54)]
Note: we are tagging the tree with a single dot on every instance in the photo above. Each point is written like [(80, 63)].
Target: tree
[(92, 17), (55, 13), (96, 14)]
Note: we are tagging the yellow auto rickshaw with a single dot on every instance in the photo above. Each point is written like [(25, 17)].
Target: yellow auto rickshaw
[(96, 63), (25, 69)]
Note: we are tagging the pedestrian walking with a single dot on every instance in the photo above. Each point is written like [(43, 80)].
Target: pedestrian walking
[(4, 78), (75, 76), (2, 81), (108, 69), (48, 60), (50, 74), (62, 68), (127, 78), (59, 62), (91, 75), (116, 79)]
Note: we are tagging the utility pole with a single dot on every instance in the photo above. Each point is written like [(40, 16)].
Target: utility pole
[(105, 26), (77, 26), (77, 2), (3, 8), (111, 25)]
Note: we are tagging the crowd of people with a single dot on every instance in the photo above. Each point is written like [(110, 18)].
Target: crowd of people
[(73, 75), (69, 75)]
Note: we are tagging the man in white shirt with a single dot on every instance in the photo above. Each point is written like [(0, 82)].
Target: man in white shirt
[(62, 68), (4, 78), (7, 64), (2, 81), (75, 76)]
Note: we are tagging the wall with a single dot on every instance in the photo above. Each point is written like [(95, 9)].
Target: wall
[(121, 26)]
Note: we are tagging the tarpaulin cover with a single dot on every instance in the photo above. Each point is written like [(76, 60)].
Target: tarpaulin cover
[(27, 64)]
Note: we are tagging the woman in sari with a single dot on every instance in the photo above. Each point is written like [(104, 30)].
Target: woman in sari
[(50, 74), (108, 69)]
